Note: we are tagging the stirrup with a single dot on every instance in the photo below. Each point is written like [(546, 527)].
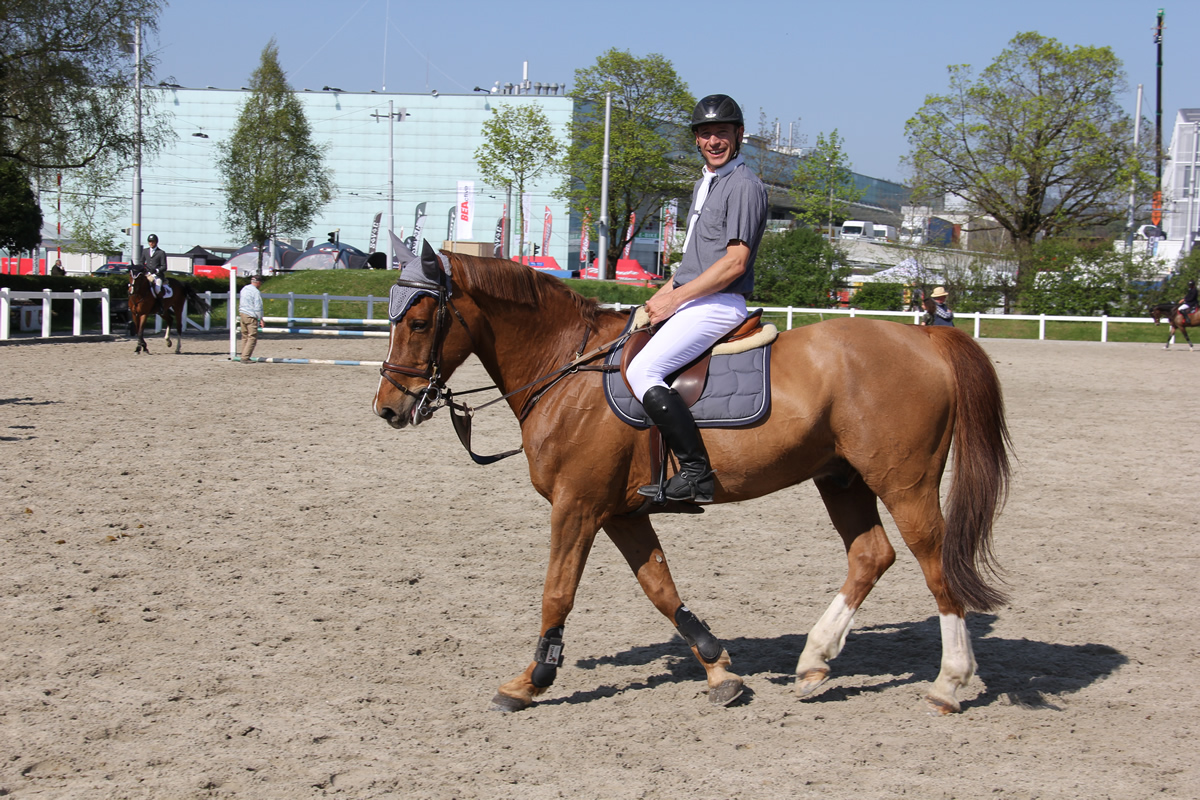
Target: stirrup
[(691, 490)]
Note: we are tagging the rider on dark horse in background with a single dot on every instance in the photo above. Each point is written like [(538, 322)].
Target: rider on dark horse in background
[(1189, 302), (154, 264)]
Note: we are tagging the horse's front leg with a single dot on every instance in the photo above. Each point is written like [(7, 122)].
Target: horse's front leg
[(637, 541), (573, 529), (141, 345)]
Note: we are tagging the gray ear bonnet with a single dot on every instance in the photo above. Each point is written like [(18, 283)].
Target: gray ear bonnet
[(426, 276)]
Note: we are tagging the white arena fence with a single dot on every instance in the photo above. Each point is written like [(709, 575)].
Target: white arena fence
[(12, 302)]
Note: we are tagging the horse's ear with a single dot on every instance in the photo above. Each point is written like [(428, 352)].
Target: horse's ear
[(434, 268)]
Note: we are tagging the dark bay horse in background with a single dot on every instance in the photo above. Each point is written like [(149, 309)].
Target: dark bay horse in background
[(865, 409), (143, 304), (1179, 322)]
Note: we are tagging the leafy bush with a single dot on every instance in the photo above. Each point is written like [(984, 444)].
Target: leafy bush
[(879, 297), (797, 268)]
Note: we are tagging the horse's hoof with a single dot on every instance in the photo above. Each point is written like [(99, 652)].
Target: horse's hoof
[(940, 707), (507, 705), (810, 680), (726, 692)]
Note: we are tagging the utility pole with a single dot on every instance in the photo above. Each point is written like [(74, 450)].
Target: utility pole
[(602, 226), (1156, 211), (392, 115), (1137, 130), (135, 226)]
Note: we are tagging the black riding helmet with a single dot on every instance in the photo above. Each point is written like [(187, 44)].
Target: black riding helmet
[(717, 108)]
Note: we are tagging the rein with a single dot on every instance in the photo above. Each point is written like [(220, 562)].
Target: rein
[(438, 395)]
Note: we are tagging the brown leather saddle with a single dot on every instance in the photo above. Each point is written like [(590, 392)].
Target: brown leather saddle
[(689, 381)]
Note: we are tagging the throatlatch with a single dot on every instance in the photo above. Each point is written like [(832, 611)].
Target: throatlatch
[(696, 633), (548, 657)]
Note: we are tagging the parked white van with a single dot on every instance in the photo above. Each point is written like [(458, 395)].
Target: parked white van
[(884, 233), (854, 229)]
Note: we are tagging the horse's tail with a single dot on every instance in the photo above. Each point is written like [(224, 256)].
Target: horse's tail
[(196, 299), (980, 472)]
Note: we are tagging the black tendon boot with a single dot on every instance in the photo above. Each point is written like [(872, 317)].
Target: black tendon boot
[(694, 481)]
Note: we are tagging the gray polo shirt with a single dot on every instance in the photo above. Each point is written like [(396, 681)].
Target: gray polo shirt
[(736, 208)]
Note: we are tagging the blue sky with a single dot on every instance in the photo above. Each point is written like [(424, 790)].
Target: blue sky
[(863, 68)]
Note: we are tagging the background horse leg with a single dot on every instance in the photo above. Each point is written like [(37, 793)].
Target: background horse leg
[(918, 515), (637, 541), (572, 532), (167, 319), (855, 514), (141, 346), (1183, 329)]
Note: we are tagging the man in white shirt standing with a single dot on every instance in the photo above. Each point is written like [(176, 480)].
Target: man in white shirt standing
[(250, 315)]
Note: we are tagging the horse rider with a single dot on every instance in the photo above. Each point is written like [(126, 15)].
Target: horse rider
[(706, 298), (940, 314), (154, 263), (1189, 302)]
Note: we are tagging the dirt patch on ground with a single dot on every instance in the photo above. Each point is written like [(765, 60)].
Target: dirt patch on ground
[(226, 580)]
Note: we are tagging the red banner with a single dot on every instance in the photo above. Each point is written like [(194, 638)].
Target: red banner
[(629, 235), (585, 239), (547, 224)]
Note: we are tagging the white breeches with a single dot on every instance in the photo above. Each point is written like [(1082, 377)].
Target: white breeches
[(683, 337)]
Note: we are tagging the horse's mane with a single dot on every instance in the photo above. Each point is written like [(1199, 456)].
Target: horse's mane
[(513, 283)]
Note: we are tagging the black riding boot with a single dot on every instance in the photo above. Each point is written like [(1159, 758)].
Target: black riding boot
[(694, 481)]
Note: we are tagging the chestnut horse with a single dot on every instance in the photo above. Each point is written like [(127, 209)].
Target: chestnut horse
[(1179, 322), (142, 304), (866, 409)]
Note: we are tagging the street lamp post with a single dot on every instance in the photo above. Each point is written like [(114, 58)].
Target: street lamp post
[(392, 115)]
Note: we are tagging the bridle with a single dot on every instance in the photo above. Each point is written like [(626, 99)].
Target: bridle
[(436, 394)]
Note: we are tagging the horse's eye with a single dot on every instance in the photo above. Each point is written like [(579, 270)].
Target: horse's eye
[(418, 324)]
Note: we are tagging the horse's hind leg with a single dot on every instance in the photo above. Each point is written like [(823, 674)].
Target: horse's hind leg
[(855, 513), (918, 516), (637, 541), (167, 322)]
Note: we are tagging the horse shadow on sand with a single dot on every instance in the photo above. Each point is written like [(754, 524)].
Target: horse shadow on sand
[(1021, 672)]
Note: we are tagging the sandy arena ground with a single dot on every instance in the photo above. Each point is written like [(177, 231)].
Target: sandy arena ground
[(226, 580)]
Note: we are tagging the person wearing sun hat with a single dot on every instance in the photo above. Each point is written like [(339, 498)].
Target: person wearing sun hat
[(940, 313)]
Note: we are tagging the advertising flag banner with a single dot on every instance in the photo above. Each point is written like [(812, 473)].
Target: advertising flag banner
[(466, 211), (669, 220), (418, 226), (498, 240), (451, 219), (420, 213), (585, 239), (547, 224), (629, 235), (374, 232)]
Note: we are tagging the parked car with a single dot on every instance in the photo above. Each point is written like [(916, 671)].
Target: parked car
[(112, 268)]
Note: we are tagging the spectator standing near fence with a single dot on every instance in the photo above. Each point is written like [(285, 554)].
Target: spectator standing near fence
[(940, 313), (250, 315)]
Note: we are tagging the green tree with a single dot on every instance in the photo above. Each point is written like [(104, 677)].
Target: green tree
[(65, 82), (275, 178), (519, 146), (1088, 279), (91, 207), (651, 109), (1039, 141), (823, 186), (20, 216), (797, 268)]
